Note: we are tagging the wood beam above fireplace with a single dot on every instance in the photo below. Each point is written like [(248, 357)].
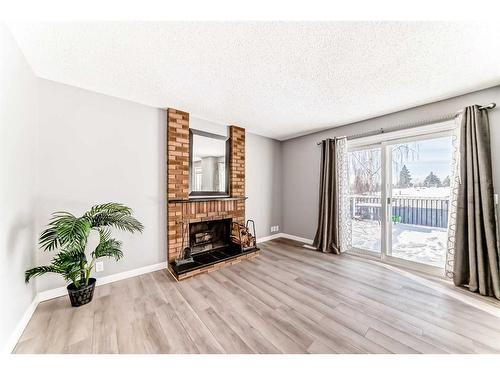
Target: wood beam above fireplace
[(192, 200)]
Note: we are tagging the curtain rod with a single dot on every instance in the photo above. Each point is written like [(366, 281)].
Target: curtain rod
[(412, 125)]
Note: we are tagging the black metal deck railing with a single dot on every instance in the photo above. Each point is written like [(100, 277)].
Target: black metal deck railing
[(425, 211)]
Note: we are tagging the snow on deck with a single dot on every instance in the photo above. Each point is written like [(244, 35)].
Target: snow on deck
[(411, 242)]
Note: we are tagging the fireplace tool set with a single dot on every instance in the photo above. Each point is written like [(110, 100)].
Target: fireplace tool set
[(185, 256)]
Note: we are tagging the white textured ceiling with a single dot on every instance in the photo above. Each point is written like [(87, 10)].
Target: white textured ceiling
[(278, 79)]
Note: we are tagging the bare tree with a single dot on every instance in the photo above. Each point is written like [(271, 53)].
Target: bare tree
[(365, 166), (446, 181)]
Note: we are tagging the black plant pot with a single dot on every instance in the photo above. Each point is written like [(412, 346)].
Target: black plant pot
[(83, 295)]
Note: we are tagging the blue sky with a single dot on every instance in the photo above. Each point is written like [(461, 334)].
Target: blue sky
[(431, 155)]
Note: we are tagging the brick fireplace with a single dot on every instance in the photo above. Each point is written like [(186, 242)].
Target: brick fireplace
[(183, 211)]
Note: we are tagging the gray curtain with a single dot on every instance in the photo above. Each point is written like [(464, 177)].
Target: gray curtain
[(476, 261), (327, 237)]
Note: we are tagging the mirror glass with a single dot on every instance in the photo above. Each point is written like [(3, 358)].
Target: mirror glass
[(208, 170)]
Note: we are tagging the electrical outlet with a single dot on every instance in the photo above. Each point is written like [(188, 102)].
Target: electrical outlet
[(277, 227), (99, 266)]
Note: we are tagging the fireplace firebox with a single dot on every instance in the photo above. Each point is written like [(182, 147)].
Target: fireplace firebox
[(209, 235), (209, 243)]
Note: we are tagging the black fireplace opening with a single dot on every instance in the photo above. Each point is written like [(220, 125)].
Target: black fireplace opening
[(209, 243), (209, 235)]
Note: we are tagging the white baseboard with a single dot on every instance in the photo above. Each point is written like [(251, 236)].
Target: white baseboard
[(50, 294), (58, 292), (269, 238), (135, 272), (285, 235), (18, 331), (307, 241)]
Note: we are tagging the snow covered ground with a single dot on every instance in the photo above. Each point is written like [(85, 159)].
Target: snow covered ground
[(411, 242), (412, 192), (419, 192)]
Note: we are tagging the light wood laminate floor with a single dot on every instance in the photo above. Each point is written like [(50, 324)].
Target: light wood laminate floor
[(287, 300)]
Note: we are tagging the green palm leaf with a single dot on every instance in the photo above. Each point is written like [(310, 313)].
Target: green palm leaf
[(65, 229), (109, 208), (117, 220), (113, 214), (49, 239), (69, 257), (108, 248), (104, 234), (40, 270)]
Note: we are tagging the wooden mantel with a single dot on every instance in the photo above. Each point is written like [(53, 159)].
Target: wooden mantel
[(206, 199)]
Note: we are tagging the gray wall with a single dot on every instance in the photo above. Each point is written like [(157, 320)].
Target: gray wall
[(18, 144), (263, 183), (301, 156), (95, 148)]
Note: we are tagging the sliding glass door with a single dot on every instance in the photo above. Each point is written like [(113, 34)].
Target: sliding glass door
[(399, 199), (365, 181), (419, 193)]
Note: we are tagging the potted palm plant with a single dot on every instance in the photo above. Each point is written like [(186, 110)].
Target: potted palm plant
[(69, 235)]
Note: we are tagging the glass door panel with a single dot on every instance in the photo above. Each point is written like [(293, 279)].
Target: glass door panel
[(419, 192), (365, 181)]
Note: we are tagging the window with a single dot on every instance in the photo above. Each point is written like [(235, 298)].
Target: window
[(198, 175), (222, 176)]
